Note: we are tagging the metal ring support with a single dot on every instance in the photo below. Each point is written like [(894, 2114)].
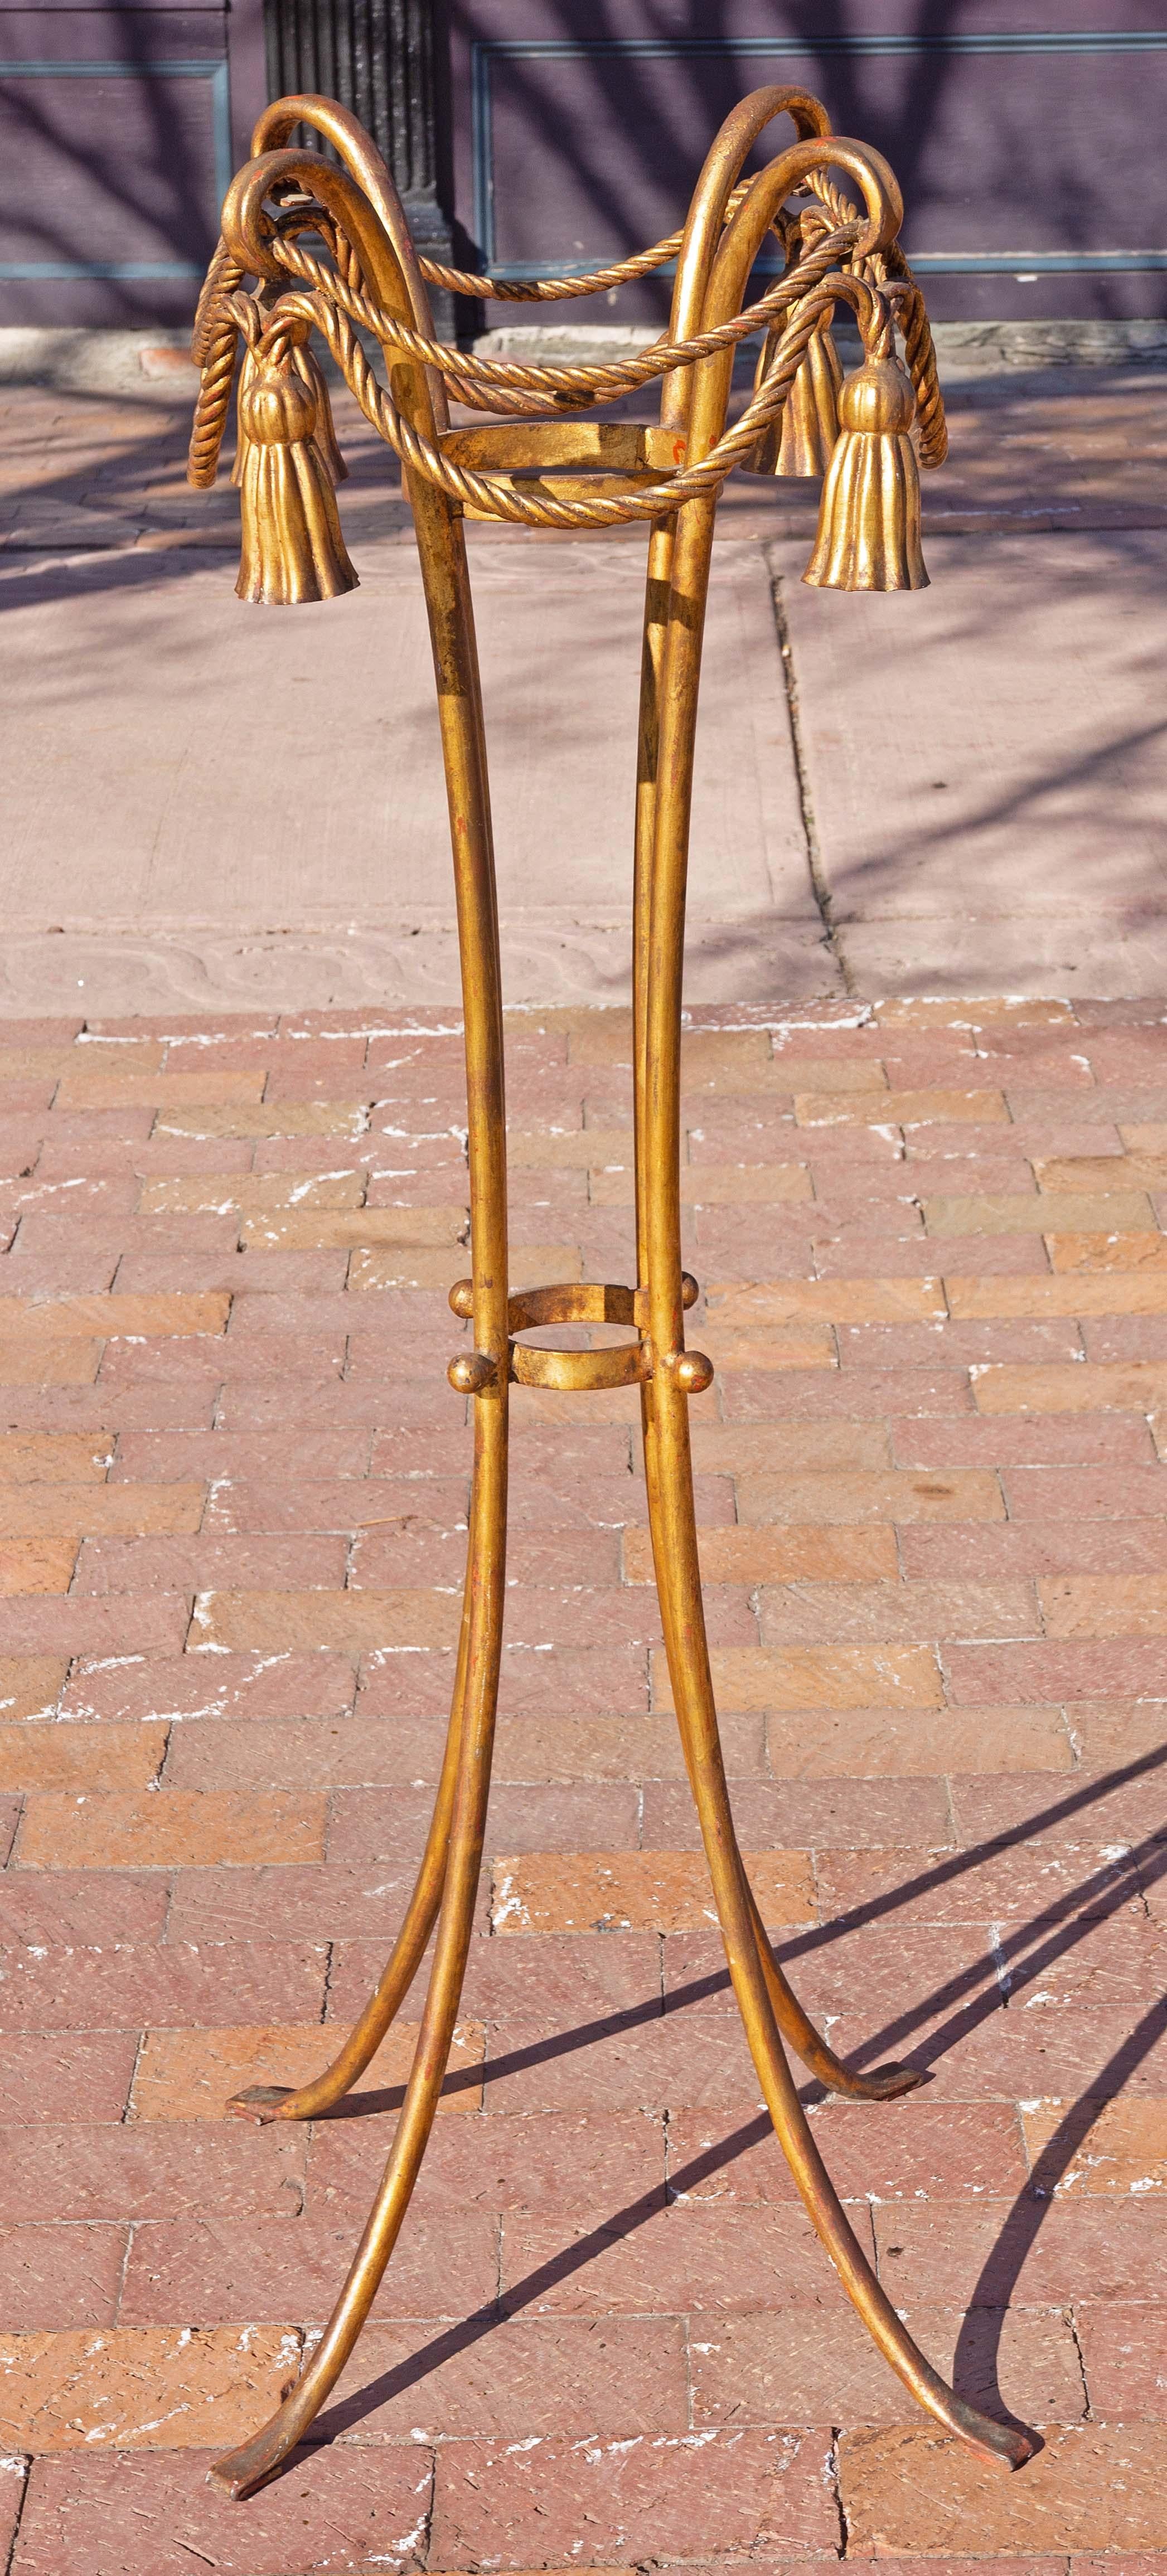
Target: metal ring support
[(574, 1371)]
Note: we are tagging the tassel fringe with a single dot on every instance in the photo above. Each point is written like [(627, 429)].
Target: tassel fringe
[(802, 440), (869, 519), (292, 547)]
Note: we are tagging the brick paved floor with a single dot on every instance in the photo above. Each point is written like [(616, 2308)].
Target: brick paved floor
[(933, 1506)]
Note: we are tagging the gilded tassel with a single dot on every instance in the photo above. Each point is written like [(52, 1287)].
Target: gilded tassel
[(293, 549), (324, 438), (869, 519), (802, 440)]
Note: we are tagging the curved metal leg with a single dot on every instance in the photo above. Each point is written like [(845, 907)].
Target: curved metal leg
[(674, 1541), (262, 2103), (247, 2468), (466, 1769), (671, 674)]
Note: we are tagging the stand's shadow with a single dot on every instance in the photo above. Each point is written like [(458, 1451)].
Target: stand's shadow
[(967, 1999)]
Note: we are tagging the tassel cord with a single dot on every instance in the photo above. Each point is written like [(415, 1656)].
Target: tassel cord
[(494, 498), (471, 379)]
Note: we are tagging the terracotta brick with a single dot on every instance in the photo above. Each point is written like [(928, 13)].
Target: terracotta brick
[(807, 1813), (273, 2270), (86, 2079), (1131, 2566), (856, 1393), (914, 2490), (74, 1626), (736, 1448), (154, 2514), (258, 1465), (1124, 2149), (177, 1828), (1105, 1605), (1080, 1389), (31, 1361), (953, 1496), (745, 1314), (1029, 1441), (1110, 1732), (1123, 2359), (917, 2150), (137, 1316), (114, 1509), (1006, 1014), (1120, 1493), (107, 2169), (282, 1622), (121, 1985), (1132, 1170), (187, 1565), (191, 2074), (1079, 1670), (749, 1677), (99, 1087), (385, 1825), (347, 1118), (1039, 1546), (777, 1346), (532, 1683), (141, 2387), (676, 2493), (532, 1266), (80, 1757), (212, 1686), (358, 1228), (635, 1891), (572, 2162), (534, 2376), (1113, 1248), (845, 1553), (709, 1185), (897, 1108), (255, 1194), (802, 2364), (37, 1565), (31, 1685), (978, 2252), (906, 1742), (704, 2260), (60, 2276), (54, 1458), (894, 1612), (912, 1887), (1022, 1213), (13, 2474)]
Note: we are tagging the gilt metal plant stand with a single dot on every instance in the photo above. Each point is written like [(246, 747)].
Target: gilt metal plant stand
[(538, 463)]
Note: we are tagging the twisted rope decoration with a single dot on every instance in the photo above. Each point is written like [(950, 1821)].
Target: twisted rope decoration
[(492, 498), (890, 267), (555, 385), (336, 300), (555, 290)]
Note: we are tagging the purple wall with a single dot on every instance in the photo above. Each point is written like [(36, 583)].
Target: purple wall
[(118, 130), (574, 129), (579, 127)]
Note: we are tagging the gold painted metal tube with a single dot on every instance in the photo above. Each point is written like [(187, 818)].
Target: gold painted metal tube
[(703, 233), (667, 1449), (443, 562)]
